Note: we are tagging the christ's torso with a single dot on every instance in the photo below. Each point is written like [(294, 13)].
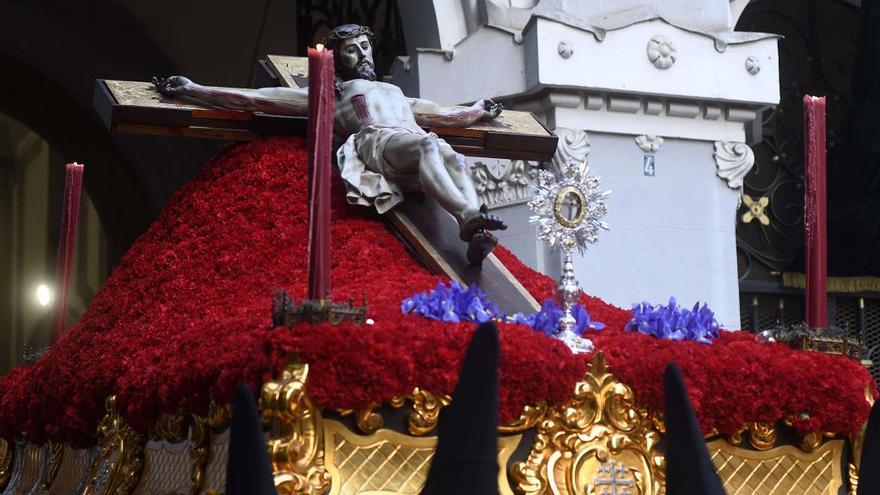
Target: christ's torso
[(366, 103)]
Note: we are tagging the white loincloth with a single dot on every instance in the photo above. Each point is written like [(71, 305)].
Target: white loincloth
[(369, 179)]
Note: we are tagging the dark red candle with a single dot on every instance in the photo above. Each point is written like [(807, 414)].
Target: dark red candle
[(815, 239), (66, 246), (321, 105)]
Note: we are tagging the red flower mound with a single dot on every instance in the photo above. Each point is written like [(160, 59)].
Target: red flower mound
[(185, 318)]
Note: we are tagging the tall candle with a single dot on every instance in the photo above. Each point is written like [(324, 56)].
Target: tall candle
[(66, 246), (321, 106), (815, 239)]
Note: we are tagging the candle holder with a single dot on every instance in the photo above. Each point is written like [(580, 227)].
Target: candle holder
[(567, 213), (831, 340), (287, 312)]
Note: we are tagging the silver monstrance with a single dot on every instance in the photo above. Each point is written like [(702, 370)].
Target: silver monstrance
[(567, 211)]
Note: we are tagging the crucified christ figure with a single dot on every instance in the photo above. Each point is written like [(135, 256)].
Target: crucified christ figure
[(385, 149)]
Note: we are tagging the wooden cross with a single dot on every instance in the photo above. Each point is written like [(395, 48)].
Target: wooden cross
[(136, 107)]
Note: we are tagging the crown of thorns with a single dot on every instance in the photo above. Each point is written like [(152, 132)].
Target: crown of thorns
[(345, 32)]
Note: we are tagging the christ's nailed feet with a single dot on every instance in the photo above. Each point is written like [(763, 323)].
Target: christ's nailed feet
[(481, 221), (481, 244)]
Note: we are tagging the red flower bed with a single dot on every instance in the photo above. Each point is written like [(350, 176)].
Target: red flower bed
[(185, 318)]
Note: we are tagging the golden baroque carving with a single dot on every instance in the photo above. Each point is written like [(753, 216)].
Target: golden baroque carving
[(762, 436), (170, 427), (118, 466), (735, 438), (295, 443), (366, 419), (55, 451), (199, 445), (811, 441), (853, 477), (857, 442), (596, 441), (529, 417), (7, 453), (426, 411), (425, 414), (219, 416)]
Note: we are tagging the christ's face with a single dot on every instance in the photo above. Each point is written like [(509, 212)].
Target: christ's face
[(355, 59)]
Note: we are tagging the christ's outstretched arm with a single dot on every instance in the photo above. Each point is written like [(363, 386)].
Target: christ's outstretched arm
[(278, 101), (431, 114)]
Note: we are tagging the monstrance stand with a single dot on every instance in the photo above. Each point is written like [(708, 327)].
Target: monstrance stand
[(567, 211)]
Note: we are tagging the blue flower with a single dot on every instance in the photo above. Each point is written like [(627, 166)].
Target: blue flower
[(454, 304), (672, 322)]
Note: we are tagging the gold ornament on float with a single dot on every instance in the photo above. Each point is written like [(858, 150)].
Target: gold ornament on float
[(295, 443), (597, 442)]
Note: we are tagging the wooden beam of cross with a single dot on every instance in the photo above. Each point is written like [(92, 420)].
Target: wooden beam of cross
[(431, 232)]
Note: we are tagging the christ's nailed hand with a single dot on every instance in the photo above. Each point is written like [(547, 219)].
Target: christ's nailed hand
[(492, 109), (174, 85)]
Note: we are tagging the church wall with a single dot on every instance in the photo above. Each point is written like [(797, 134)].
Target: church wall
[(680, 239)]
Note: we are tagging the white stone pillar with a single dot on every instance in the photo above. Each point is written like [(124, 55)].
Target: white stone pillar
[(657, 102)]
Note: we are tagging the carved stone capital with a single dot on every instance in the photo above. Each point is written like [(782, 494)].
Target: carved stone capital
[(501, 182), (734, 161), (574, 144)]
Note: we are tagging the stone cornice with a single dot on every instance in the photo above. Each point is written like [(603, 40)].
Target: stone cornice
[(636, 115)]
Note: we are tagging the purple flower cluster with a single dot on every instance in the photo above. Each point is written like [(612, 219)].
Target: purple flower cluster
[(547, 320), (454, 303), (671, 322)]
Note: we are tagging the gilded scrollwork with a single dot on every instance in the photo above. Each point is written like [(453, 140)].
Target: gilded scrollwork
[(736, 438), (295, 433), (426, 411), (852, 473), (7, 453), (425, 414), (219, 416), (367, 419), (199, 448), (811, 441), (118, 466), (170, 427), (762, 436), (55, 451), (528, 418), (857, 443), (596, 439)]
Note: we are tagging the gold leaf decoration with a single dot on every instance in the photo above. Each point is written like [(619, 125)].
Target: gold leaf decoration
[(295, 443), (762, 436), (755, 209), (199, 447), (7, 454), (596, 441), (117, 467), (426, 411), (528, 418), (56, 454)]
